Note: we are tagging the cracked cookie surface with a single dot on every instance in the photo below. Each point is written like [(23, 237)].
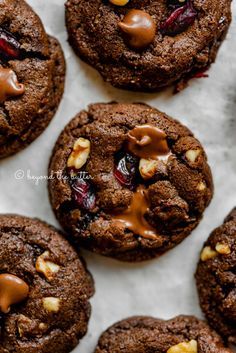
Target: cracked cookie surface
[(39, 66), (216, 278), (53, 316), (95, 34), (146, 334), (115, 181)]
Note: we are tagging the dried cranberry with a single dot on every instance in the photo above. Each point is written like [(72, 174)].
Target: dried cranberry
[(179, 20), (9, 46), (83, 194), (126, 170), (201, 74), (183, 83)]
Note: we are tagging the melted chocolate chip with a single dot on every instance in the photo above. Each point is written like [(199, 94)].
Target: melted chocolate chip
[(13, 290), (10, 87), (133, 218), (147, 141), (139, 28)]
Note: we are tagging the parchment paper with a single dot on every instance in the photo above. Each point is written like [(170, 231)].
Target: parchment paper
[(164, 287)]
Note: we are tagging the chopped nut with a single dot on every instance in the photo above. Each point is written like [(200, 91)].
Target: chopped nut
[(51, 304), (30, 327), (119, 2), (184, 347), (48, 268), (148, 168), (192, 155), (21, 332), (223, 249), (43, 326), (22, 322), (208, 253), (80, 153), (201, 186)]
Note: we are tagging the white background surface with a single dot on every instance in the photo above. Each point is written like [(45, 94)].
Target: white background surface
[(164, 287)]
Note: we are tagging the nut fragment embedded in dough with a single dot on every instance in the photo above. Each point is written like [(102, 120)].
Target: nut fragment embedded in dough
[(192, 155), (223, 249), (148, 168), (208, 253), (45, 266), (80, 153), (184, 347), (30, 327), (51, 304), (201, 186)]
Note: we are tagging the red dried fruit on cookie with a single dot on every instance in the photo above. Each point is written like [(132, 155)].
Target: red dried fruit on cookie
[(9, 46), (126, 170), (179, 20), (83, 194)]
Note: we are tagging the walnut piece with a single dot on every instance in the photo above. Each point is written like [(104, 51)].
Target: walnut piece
[(30, 327), (45, 266), (201, 186), (51, 304), (148, 168), (192, 155), (80, 153), (184, 347), (223, 249), (208, 253)]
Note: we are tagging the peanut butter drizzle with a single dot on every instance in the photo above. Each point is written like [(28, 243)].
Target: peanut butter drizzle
[(133, 217), (149, 142), (13, 290), (9, 85)]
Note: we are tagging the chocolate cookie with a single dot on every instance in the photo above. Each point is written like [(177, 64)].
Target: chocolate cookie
[(147, 45), (216, 278), (183, 334), (127, 181), (32, 71), (44, 289)]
